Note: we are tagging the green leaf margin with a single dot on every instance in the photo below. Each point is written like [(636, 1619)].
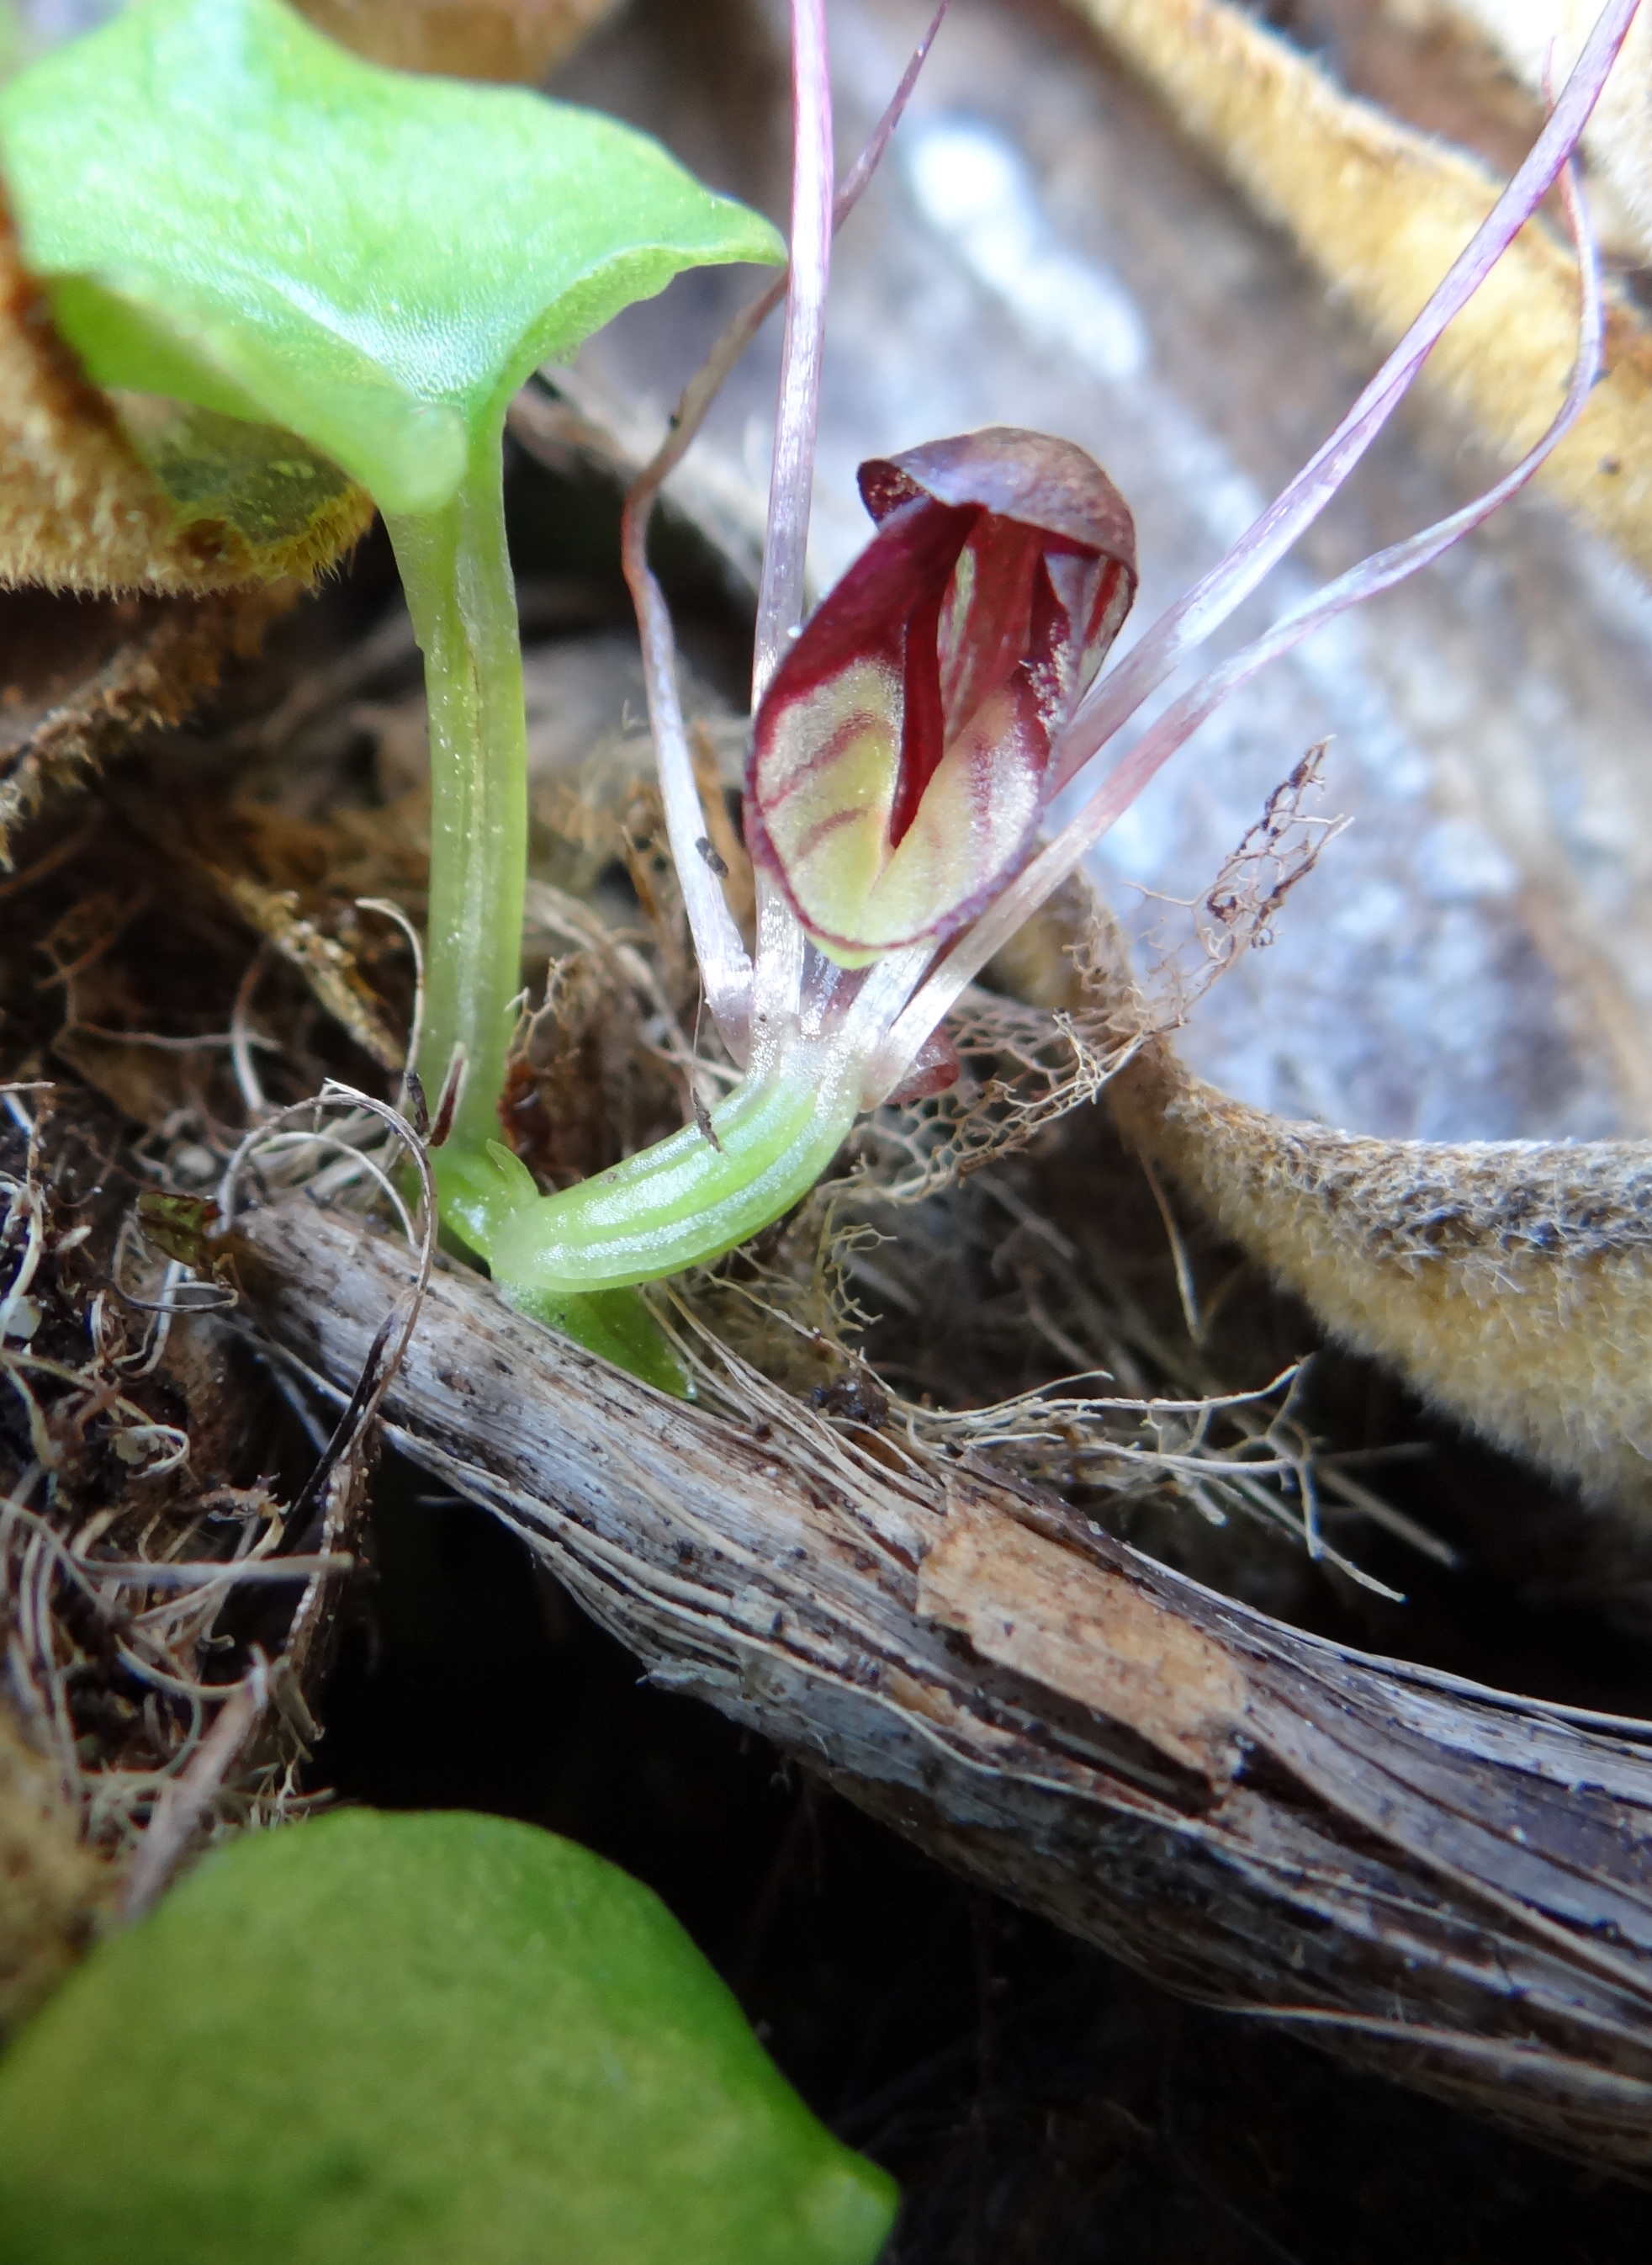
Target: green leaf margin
[(230, 209), (417, 2039)]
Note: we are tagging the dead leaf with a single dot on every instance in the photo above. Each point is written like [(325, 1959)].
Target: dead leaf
[(283, 877), (519, 39), (160, 503), (84, 679), (55, 1886), (1382, 211), (163, 501), (1508, 1281)]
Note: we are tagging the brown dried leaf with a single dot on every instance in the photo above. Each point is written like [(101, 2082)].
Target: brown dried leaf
[(1508, 1281), (1382, 212), (519, 39), (160, 502), (54, 1886), (288, 880), (84, 679)]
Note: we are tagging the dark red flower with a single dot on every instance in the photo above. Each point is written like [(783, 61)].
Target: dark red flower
[(900, 759)]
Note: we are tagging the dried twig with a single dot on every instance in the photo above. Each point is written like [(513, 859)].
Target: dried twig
[(1443, 1882)]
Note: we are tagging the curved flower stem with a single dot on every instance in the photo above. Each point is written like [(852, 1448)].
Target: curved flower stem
[(571, 1258), (698, 1194), (455, 569), (701, 1192), (691, 1198)]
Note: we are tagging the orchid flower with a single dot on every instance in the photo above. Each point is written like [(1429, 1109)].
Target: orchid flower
[(908, 742), (339, 275)]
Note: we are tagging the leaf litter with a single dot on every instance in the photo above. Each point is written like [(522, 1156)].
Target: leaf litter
[(130, 1638)]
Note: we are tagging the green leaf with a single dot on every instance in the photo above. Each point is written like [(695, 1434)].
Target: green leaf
[(230, 209), (413, 2040)]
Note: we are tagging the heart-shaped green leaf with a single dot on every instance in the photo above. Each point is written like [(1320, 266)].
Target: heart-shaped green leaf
[(413, 2040), (230, 209)]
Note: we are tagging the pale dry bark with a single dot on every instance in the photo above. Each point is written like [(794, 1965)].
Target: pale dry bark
[(1446, 1882)]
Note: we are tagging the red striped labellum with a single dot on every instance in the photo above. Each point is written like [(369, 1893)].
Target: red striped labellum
[(900, 758)]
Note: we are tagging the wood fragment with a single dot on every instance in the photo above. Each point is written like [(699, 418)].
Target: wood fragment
[(1447, 1883), (1011, 1594)]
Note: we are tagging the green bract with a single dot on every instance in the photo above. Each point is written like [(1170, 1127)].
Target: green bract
[(234, 211), (414, 2040)]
